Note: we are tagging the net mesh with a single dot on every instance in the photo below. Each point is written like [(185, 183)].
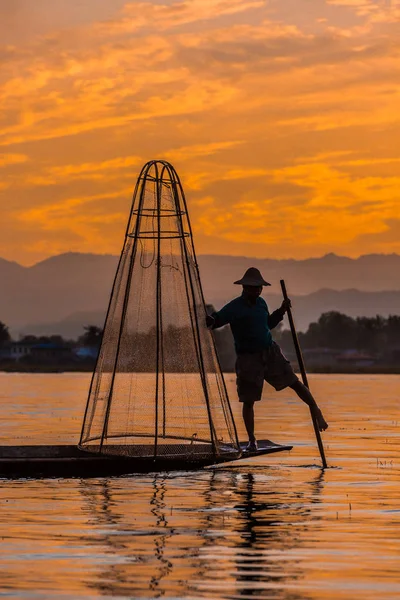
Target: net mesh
[(157, 389)]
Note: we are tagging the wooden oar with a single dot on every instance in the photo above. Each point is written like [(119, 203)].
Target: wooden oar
[(304, 375)]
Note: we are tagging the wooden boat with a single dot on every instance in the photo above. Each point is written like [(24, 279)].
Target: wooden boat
[(70, 461)]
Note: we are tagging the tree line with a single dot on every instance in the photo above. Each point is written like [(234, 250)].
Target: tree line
[(333, 330), (338, 331), (91, 337)]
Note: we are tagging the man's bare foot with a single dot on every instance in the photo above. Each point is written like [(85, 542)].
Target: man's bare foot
[(322, 424), (252, 446)]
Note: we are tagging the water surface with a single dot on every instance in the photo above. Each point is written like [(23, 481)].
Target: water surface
[(275, 527)]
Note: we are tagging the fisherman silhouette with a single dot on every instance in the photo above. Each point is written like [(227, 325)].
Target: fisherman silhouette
[(259, 358)]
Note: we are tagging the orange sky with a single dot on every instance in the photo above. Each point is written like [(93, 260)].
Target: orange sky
[(282, 118)]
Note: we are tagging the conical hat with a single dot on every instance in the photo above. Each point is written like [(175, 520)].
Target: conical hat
[(252, 277)]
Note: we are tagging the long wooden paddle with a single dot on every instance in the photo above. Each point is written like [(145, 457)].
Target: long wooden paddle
[(304, 375)]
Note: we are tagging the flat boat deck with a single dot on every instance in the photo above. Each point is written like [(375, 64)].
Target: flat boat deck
[(71, 461)]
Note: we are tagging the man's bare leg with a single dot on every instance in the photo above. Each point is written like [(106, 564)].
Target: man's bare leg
[(304, 394), (248, 418)]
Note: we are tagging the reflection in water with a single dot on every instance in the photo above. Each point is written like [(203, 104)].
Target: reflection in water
[(266, 527), (123, 537), (239, 517), (98, 497), (271, 528), (263, 528), (159, 511)]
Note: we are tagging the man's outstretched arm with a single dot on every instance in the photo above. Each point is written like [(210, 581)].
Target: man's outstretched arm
[(219, 318)]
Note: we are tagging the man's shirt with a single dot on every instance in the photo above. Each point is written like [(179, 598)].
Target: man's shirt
[(251, 324)]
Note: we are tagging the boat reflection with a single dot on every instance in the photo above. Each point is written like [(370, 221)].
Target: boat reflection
[(262, 531), (269, 532), (162, 535), (158, 510)]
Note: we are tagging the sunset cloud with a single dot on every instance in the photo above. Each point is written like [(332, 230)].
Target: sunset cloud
[(284, 129)]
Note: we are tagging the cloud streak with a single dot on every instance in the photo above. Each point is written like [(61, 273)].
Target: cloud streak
[(284, 131)]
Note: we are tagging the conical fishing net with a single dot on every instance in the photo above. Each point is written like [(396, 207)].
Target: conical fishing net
[(157, 389)]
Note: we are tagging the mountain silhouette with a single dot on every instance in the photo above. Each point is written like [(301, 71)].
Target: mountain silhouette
[(306, 308), (70, 290)]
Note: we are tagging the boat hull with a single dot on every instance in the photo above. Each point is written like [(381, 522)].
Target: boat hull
[(71, 461)]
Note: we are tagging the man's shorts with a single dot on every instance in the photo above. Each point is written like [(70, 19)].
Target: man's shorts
[(269, 365)]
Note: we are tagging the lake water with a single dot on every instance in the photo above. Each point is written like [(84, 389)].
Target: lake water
[(276, 527)]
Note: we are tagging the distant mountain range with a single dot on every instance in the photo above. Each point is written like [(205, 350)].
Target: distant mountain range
[(307, 308), (65, 292)]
